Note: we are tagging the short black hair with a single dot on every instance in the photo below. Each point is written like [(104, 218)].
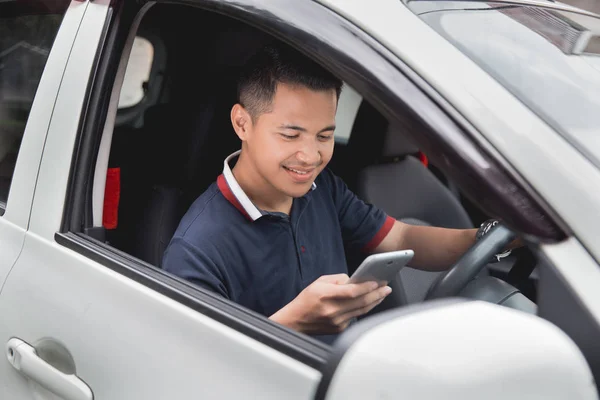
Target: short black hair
[(275, 64)]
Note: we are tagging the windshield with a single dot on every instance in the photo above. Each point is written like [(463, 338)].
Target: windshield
[(549, 59)]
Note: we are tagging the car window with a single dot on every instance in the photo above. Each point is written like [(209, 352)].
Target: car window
[(549, 59), (27, 31), (137, 73), (348, 105)]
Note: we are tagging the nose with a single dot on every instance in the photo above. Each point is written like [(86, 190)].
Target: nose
[(309, 154)]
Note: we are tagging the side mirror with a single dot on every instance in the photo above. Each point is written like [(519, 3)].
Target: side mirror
[(456, 349)]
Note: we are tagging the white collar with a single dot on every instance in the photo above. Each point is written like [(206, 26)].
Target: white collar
[(253, 212)]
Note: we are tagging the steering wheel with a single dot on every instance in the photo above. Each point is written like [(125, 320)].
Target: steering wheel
[(471, 263)]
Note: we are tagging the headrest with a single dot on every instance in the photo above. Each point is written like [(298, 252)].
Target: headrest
[(397, 143)]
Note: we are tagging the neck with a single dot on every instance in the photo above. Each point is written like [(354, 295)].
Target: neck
[(264, 195)]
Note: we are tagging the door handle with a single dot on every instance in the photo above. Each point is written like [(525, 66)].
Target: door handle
[(25, 359)]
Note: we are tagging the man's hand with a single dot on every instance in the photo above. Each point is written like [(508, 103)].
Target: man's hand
[(329, 304)]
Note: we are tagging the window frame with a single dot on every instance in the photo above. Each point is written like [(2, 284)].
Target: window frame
[(39, 114), (297, 25)]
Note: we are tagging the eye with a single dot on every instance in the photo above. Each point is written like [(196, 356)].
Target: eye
[(288, 137), (325, 138)]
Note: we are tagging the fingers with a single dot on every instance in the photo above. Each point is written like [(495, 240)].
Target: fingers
[(368, 299), (354, 290), (339, 279), (357, 307), (344, 319), (335, 302), (348, 309)]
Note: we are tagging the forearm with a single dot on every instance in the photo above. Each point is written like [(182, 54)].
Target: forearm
[(436, 249), (284, 318)]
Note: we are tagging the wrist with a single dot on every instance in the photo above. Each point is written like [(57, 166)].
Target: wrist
[(284, 318), (484, 229)]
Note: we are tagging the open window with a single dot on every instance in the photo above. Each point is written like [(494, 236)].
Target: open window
[(156, 162)]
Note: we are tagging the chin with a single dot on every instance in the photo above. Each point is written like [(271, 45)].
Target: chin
[(298, 191)]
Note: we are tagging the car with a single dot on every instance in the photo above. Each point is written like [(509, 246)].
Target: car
[(114, 117)]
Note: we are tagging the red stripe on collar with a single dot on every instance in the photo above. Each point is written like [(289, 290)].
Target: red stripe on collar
[(226, 190)]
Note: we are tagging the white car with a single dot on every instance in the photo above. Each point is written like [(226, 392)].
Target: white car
[(113, 119)]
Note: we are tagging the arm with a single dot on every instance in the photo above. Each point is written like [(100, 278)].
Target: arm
[(197, 265), (436, 249), (326, 306)]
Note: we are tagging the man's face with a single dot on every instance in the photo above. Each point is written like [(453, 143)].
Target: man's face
[(290, 145)]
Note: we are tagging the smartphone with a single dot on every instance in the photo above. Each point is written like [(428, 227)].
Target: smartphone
[(381, 267)]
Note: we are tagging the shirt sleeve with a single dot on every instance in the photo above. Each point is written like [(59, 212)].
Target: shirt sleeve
[(197, 265), (364, 226)]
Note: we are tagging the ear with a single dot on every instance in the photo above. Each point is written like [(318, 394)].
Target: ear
[(241, 121)]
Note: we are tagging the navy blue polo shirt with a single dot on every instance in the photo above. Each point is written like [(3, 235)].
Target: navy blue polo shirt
[(263, 260)]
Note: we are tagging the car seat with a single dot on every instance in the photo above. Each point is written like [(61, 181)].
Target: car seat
[(401, 185)]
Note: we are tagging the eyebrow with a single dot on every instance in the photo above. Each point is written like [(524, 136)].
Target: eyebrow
[(301, 129)]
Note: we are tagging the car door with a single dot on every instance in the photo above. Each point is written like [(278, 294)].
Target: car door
[(27, 68), (35, 41), (78, 329)]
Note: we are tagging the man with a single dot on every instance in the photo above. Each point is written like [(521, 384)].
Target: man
[(270, 233)]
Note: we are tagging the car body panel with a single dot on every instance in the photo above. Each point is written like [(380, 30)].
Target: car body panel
[(48, 204), (126, 340), (15, 220), (26, 170), (129, 341)]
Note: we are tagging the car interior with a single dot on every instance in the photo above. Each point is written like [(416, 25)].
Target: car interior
[(170, 146)]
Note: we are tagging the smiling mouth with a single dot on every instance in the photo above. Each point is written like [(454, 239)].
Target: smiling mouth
[(298, 171)]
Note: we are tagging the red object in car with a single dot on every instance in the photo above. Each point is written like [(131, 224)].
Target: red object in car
[(423, 158), (112, 194)]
